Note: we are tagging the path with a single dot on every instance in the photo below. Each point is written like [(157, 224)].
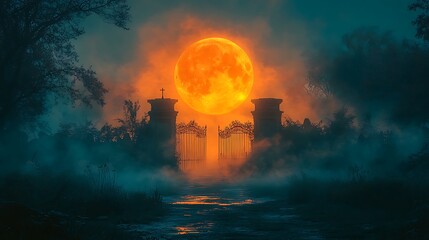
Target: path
[(221, 211)]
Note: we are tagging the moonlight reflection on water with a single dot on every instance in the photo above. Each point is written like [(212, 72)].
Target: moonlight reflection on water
[(214, 210), (210, 200)]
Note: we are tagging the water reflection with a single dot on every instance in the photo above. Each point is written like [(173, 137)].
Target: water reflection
[(211, 210), (210, 200), (199, 227), (186, 230), (202, 204)]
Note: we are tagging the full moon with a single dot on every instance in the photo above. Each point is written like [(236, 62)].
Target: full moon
[(214, 76)]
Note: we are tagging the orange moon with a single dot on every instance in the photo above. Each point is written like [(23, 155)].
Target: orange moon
[(214, 76)]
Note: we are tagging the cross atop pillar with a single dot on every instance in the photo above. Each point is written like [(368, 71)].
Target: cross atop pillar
[(162, 92)]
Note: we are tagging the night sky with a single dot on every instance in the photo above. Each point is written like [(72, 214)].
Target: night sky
[(279, 36)]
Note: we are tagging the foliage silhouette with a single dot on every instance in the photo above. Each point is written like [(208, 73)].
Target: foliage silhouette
[(38, 59), (422, 20), (376, 75)]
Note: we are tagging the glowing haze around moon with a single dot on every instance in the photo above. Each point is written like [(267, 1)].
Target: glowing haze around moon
[(214, 76)]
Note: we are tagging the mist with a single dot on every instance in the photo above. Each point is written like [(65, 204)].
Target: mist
[(80, 156)]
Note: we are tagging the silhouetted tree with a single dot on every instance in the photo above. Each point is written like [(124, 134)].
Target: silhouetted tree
[(38, 59), (422, 20), (301, 137), (130, 123), (341, 125), (376, 75), (107, 133), (86, 132)]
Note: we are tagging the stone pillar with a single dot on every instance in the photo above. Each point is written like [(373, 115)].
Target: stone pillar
[(163, 124), (267, 117)]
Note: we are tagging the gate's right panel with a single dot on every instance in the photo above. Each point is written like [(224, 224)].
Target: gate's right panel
[(235, 141)]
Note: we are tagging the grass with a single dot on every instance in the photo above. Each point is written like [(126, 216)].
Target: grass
[(380, 208), (46, 206)]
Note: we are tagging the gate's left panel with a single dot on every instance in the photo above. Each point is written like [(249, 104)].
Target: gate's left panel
[(191, 144)]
